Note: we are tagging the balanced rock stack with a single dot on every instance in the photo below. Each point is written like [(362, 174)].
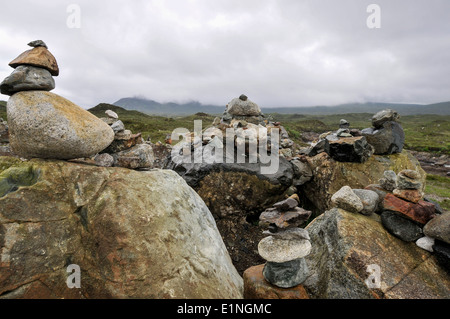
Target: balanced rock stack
[(386, 135), (127, 149), (344, 145), (245, 116), (243, 109), (404, 212), (42, 124), (287, 244)]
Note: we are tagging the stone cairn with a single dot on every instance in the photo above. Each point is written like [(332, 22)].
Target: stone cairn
[(285, 248), (398, 201), (127, 149), (352, 145), (242, 115), (45, 125), (386, 135)]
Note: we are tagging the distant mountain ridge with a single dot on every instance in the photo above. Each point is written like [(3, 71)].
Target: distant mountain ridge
[(156, 108)]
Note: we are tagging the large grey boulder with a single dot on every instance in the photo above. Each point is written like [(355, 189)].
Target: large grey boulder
[(133, 234), (348, 252), (387, 139), (46, 125), (244, 108)]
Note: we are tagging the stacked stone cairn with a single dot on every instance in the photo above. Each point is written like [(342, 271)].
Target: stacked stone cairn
[(344, 145), (387, 135), (45, 125), (352, 145), (398, 201), (42, 124), (245, 119), (242, 115), (287, 244), (127, 149)]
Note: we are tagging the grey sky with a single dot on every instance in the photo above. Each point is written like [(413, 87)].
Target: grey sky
[(278, 52)]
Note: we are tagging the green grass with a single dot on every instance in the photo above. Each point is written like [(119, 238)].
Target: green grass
[(155, 127), (438, 188)]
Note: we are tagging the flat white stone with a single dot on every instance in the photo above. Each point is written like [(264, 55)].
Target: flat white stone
[(281, 250), (112, 114)]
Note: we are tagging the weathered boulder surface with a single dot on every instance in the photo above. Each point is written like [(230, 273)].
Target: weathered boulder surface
[(133, 234), (346, 244), (46, 125), (236, 188), (330, 175)]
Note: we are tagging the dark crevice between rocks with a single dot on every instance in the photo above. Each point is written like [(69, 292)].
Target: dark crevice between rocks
[(15, 177), (17, 291), (82, 212)]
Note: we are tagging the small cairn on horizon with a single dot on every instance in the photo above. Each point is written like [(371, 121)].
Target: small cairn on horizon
[(352, 145)]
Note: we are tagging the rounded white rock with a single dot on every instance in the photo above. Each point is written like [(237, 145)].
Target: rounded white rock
[(281, 250)]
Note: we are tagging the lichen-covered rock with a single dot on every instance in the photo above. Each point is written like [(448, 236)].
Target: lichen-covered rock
[(46, 125), (330, 175), (133, 234), (346, 244)]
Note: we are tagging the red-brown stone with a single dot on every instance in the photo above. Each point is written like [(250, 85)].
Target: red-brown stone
[(420, 212), (256, 287), (411, 195), (39, 57)]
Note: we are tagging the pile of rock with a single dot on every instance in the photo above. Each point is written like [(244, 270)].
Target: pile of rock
[(403, 210), (42, 124), (243, 109), (352, 145), (386, 135), (127, 149), (344, 145), (245, 117), (33, 70), (287, 244)]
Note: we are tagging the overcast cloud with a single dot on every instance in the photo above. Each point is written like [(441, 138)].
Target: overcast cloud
[(278, 52)]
